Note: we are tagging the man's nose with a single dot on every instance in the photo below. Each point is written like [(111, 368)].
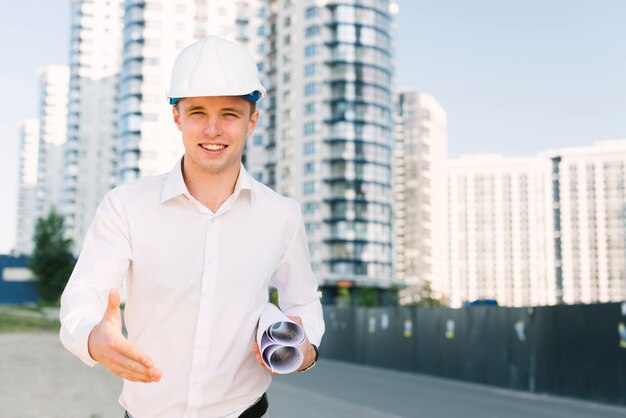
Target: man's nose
[(212, 127)]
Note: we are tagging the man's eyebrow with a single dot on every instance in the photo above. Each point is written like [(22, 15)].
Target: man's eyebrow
[(194, 108), (233, 109)]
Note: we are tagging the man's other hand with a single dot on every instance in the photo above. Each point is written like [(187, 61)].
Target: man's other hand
[(307, 349), (108, 347)]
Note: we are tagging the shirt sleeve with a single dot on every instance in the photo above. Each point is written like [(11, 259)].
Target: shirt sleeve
[(298, 287), (102, 265)]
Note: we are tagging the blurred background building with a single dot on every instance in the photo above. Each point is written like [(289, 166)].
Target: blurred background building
[(53, 94), (26, 213), (89, 154), (420, 212), (326, 133), (587, 249), (498, 229)]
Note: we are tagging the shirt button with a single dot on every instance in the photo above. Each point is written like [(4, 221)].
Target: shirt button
[(212, 220)]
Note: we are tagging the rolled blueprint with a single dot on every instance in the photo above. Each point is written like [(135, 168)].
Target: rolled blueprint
[(278, 338)]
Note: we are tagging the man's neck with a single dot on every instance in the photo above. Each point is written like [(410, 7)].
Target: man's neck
[(210, 189)]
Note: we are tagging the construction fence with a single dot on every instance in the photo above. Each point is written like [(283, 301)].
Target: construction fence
[(568, 350)]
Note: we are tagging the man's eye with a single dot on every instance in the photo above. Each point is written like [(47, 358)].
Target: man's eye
[(197, 113), (231, 115)]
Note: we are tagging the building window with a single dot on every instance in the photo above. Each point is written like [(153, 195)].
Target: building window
[(309, 108), (309, 208), (288, 21), (310, 50), (309, 168), (258, 140), (287, 77), (309, 148), (287, 134), (309, 187), (311, 31), (311, 12), (310, 69), (310, 128), (309, 89)]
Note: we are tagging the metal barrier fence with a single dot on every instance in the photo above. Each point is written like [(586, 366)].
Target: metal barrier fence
[(569, 350)]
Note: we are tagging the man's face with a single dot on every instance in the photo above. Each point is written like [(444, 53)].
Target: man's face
[(214, 131)]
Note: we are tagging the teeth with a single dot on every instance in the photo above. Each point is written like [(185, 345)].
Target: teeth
[(212, 147)]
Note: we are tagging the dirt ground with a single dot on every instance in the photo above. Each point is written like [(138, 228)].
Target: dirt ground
[(40, 379)]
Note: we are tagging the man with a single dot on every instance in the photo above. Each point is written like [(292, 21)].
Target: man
[(195, 250)]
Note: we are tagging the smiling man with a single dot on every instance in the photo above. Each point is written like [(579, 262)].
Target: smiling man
[(195, 250)]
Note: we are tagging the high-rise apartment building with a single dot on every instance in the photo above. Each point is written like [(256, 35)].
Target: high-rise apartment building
[(26, 215), (325, 135), (539, 231), (90, 151), (587, 247), (53, 96), (154, 32), (498, 230), (420, 221)]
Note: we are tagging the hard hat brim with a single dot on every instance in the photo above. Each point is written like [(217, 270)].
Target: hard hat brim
[(253, 97)]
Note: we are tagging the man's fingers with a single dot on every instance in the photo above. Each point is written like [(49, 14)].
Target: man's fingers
[(131, 375), (126, 363), (132, 352), (132, 370), (295, 319), (257, 354)]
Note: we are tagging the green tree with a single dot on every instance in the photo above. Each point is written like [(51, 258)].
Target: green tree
[(392, 295), (274, 296), (423, 296), (343, 296), (52, 261), (367, 296), (427, 298)]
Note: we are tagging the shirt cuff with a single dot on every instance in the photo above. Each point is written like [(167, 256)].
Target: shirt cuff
[(77, 342), (314, 329)]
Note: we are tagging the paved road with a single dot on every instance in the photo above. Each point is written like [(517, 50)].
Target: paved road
[(39, 379), (337, 390)]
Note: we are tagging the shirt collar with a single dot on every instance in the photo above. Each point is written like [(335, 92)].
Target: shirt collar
[(175, 184)]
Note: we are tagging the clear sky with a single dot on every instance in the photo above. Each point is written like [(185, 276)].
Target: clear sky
[(514, 77)]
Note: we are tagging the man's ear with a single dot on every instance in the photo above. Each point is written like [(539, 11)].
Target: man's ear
[(252, 123), (176, 118)]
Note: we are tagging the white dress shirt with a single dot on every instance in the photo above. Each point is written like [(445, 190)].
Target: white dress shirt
[(196, 283)]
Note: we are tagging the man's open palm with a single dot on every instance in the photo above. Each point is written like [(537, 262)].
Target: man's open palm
[(108, 347)]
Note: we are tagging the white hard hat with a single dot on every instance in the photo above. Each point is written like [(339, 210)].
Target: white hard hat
[(215, 66)]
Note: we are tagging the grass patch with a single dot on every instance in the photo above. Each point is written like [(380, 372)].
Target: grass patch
[(19, 323)]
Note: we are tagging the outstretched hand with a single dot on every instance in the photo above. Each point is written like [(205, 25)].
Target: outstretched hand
[(108, 347)]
